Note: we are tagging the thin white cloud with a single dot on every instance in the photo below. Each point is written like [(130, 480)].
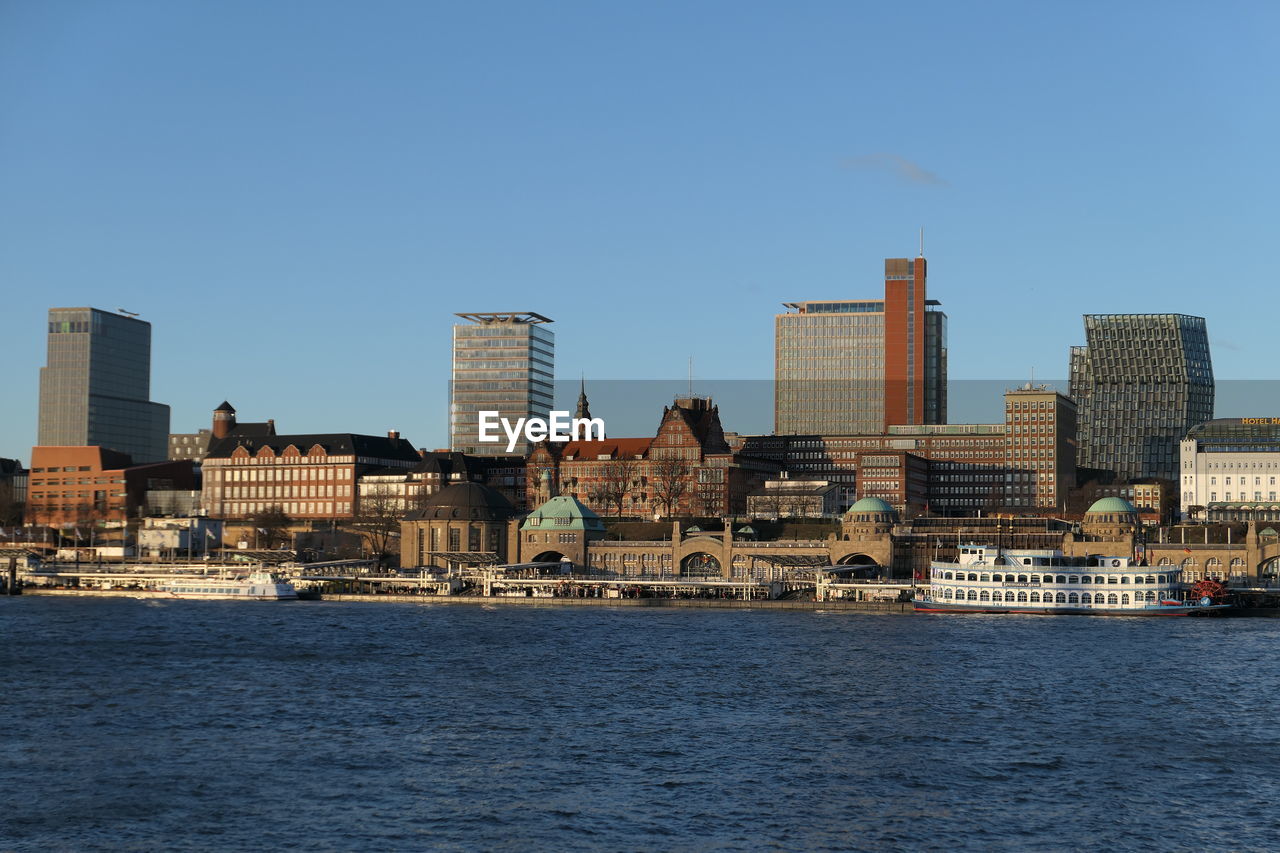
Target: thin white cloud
[(899, 167)]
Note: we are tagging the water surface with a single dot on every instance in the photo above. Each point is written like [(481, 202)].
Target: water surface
[(143, 724)]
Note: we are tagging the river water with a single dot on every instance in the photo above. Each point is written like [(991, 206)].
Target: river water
[(187, 725)]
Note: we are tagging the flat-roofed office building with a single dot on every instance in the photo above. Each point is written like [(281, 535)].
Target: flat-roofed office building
[(852, 367), (505, 363), (96, 387)]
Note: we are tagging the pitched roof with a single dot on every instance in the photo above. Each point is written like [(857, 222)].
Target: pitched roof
[(563, 512), (256, 429), (704, 423), (336, 444), (612, 448)]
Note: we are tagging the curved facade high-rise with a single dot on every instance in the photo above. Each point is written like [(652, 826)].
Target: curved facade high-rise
[(1141, 381)]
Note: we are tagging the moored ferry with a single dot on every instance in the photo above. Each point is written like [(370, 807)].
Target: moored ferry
[(986, 579), (258, 586)]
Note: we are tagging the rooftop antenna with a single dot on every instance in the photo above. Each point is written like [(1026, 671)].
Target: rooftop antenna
[(690, 376), (922, 241)]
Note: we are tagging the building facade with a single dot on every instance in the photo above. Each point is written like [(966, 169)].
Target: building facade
[(408, 489), (1040, 429), (795, 498), (310, 477), (96, 387), (686, 469), (1027, 461), (853, 367), (503, 363), (13, 491), (464, 524), (1229, 469), (93, 485), (1141, 382)]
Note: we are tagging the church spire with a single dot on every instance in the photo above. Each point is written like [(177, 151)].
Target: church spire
[(584, 409)]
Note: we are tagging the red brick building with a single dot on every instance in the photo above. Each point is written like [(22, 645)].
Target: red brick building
[(310, 477), (686, 469), (70, 485)]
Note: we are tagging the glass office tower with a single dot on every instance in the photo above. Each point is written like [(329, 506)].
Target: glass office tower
[(504, 363), (855, 367), (1141, 382), (96, 387)]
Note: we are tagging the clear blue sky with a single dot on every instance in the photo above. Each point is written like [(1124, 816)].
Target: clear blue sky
[(298, 195)]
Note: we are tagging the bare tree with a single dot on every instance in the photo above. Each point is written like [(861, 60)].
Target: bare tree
[(670, 483), (767, 504), (377, 520), (272, 525), (612, 486), (10, 507)]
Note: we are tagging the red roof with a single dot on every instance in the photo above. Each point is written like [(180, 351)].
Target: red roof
[(613, 448)]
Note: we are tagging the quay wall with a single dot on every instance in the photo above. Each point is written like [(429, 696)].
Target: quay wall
[(716, 603), (719, 604)]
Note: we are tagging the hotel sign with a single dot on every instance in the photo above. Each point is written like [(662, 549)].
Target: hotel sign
[(1260, 421)]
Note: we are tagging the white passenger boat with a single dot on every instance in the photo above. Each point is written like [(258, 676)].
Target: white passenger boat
[(987, 579), (258, 586)]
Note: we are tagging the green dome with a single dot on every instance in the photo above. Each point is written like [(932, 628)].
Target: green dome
[(1270, 531), (1112, 505), (870, 505), (562, 513)]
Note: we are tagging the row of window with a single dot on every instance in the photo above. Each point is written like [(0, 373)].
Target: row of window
[(268, 457), (1244, 496), (1076, 579), (1257, 481), (307, 491), (243, 509), (1051, 598), (285, 475)]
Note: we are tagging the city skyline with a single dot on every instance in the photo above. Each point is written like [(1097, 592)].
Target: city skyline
[(689, 196)]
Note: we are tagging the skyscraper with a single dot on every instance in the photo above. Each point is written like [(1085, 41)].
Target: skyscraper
[(96, 387), (502, 362), (855, 367), (1141, 381)]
